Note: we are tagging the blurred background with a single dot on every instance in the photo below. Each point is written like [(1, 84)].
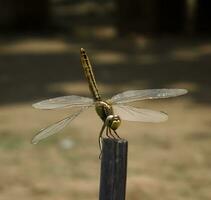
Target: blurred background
[(133, 45)]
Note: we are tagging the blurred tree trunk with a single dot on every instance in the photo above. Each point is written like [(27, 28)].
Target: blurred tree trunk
[(151, 16), (136, 16), (24, 14), (203, 16), (31, 14), (6, 14), (190, 25), (172, 16)]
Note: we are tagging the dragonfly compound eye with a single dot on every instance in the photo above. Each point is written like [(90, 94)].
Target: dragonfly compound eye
[(113, 121)]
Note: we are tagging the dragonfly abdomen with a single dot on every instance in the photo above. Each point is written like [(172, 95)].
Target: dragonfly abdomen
[(89, 75)]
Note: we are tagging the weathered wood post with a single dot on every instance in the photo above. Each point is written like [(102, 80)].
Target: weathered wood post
[(113, 169)]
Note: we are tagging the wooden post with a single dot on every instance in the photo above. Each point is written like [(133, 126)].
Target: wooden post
[(113, 169)]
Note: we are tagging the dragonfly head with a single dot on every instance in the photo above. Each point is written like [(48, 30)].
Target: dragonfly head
[(113, 121)]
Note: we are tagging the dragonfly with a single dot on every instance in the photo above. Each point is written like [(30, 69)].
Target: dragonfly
[(111, 111)]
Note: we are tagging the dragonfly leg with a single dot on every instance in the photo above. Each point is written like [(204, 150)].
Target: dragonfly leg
[(100, 139), (108, 130), (117, 134)]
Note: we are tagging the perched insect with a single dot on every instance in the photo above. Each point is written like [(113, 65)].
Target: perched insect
[(111, 111)]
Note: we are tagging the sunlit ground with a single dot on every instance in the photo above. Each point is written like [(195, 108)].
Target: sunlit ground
[(170, 160)]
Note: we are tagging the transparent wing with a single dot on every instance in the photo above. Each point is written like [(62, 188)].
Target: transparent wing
[(64, 102), (54, 128), (136, 95), (130, 113)]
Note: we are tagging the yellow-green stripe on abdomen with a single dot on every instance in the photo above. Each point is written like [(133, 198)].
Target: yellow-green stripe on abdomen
[(89, 75)]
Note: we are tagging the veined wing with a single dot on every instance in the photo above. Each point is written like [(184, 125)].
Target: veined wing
[(136, 95), (130, 113), (64, 102), (55, 128)]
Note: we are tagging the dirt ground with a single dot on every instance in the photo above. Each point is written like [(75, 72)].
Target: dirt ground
[(168, 161)]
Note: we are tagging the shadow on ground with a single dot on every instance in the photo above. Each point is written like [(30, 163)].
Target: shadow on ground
[(29, 65)]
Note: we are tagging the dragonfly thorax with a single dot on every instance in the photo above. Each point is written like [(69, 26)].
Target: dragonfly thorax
[(103, 109), (105, 112)]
